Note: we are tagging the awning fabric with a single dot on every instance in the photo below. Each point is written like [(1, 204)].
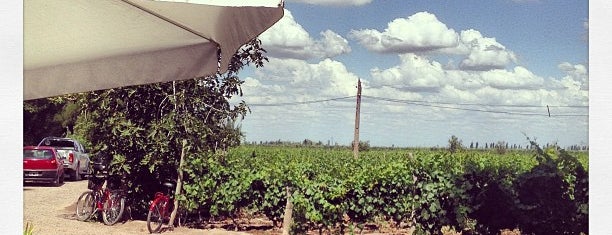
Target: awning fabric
[(84, 45)]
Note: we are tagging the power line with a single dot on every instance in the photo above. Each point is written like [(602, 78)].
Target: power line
[(444, 105), (434, 104), (475, 104), (303, 102)]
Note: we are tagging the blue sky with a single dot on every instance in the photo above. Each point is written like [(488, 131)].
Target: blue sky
[(483, 71)]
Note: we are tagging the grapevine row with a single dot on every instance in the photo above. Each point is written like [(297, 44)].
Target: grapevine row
[(330, 190)]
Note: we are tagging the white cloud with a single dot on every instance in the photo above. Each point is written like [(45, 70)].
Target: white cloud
[(483, 53), (417, 33), (423, 33), (334, 2), (576, 76), (288, 39), (418, 73), (415, 73), (294, 80), (519, 78), (541, 97), (450, 92), (423, 79)]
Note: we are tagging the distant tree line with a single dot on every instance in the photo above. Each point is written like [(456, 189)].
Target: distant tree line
[(363, 145), (506, 145), (454, 144)]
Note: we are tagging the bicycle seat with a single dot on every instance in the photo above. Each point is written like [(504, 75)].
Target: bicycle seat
[(169, 185)]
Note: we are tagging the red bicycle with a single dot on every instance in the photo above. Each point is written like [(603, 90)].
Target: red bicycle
[(160, 208), (109, 200)]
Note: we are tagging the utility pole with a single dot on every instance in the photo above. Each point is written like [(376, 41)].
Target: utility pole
[(356, 139)]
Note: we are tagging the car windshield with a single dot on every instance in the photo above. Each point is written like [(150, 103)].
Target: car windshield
[(37, 154), (58, 143)]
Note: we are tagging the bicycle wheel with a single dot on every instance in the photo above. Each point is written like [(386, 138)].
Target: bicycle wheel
[(85, 206), (113, 208), (155, 218)]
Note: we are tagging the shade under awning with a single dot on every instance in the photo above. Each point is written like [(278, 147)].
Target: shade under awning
[(84, 45)]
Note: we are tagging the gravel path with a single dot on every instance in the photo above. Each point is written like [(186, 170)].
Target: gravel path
[(51, 210)]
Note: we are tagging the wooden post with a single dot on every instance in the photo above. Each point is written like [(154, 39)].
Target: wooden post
[(288, 217), (356, 138), (179, 185)]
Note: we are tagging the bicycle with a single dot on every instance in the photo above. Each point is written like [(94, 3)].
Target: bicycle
[(160, 208), (109, 200)]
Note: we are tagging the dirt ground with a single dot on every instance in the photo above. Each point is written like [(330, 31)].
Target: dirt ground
[(51, 210)]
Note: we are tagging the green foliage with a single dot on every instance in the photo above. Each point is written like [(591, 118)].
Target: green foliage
[(546, 195), (42, 118), (553, 196), (142, 128), (331, 190)]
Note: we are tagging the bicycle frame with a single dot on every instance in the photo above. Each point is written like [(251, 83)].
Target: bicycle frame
[(108, 202), (101, 196), (158, 199)]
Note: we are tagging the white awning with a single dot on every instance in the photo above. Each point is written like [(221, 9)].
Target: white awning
[(83, 45)]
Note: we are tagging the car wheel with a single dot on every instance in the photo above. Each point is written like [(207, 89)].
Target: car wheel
[(57, 182), (77, 173)]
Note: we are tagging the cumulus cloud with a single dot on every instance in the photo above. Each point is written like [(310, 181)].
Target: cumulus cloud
[(298, 80), (334, 2), (576, 76), (423, 33), (419, 73), (288, 39), (414, 73), (428, 80), (519, 78), (483, 53), (417, 33)]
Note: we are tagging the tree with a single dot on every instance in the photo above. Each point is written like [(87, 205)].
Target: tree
[(363, 145), (307, 142), (501, 147), (54, 116), (454, 144), (143, 127)]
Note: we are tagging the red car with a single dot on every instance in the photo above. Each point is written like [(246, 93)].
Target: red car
[(41, 165)]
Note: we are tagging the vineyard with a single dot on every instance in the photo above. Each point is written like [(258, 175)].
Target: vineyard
[(186, 131), (544, 191)]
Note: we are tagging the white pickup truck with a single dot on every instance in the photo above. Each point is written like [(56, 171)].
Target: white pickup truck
[(71, 152)]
